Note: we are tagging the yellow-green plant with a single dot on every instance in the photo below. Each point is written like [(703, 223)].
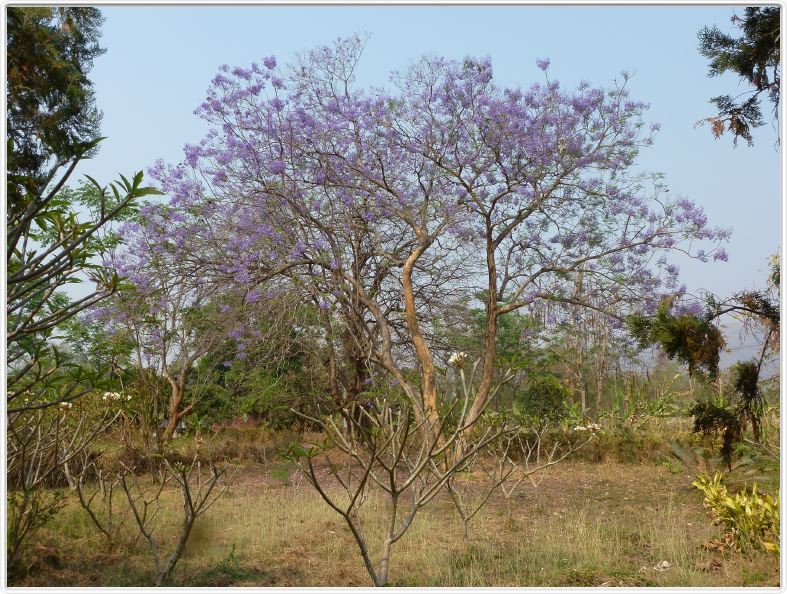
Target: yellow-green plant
[(750, 519)]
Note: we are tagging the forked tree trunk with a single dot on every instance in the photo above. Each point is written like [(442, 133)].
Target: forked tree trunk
[(175, 413)]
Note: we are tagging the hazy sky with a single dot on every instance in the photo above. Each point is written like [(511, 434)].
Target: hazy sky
[(160, 60)]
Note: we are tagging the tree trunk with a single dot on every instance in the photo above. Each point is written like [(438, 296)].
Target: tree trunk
[(490, 335), (422, 353), (175, 414), (599, 393), (72, 484)]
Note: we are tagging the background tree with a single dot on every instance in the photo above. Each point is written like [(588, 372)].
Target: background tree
[(264, 376), (164, 310), (755, 58), (692, 337), (55, 238), (51, 112)]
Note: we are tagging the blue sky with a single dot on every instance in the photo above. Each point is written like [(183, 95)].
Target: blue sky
[(160, 60)]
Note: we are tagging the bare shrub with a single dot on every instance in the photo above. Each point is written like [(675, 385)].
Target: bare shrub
[(41, 443), (518, 455), (198, 491), (98, 498), (386, 449)]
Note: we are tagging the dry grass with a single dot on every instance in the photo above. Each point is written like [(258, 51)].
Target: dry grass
[(588, 525)]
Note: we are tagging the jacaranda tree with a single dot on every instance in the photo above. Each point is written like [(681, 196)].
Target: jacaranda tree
[(384, 206), (376, 202), (166, 307)]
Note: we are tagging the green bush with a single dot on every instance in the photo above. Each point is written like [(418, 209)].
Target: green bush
[(542, 402)]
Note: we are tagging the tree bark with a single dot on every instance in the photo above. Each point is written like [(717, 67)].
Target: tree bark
[(422, 353), (175, 412)]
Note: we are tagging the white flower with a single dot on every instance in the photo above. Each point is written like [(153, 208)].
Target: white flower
[(592, 427), (66, 405), (457, 359)]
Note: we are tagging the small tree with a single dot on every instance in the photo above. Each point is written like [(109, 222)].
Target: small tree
[(199, 492), (691, 337), (519, 453), (387, 453)]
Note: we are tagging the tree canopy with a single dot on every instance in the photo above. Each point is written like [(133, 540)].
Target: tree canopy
[(51, 107), (755, 58), (384, 207)]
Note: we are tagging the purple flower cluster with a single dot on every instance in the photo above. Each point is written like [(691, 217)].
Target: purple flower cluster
[(302, 172)]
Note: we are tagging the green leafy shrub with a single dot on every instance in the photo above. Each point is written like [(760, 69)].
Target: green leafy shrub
[(543, 402), (751, 520)]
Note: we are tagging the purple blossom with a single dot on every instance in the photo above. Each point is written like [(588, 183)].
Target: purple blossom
[(192, 154), (242, 73), (689, 309), (277, 167), (298, 250), (360, 157), (721, 254)]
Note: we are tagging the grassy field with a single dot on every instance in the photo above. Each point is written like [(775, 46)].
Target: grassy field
[(588, 524)]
